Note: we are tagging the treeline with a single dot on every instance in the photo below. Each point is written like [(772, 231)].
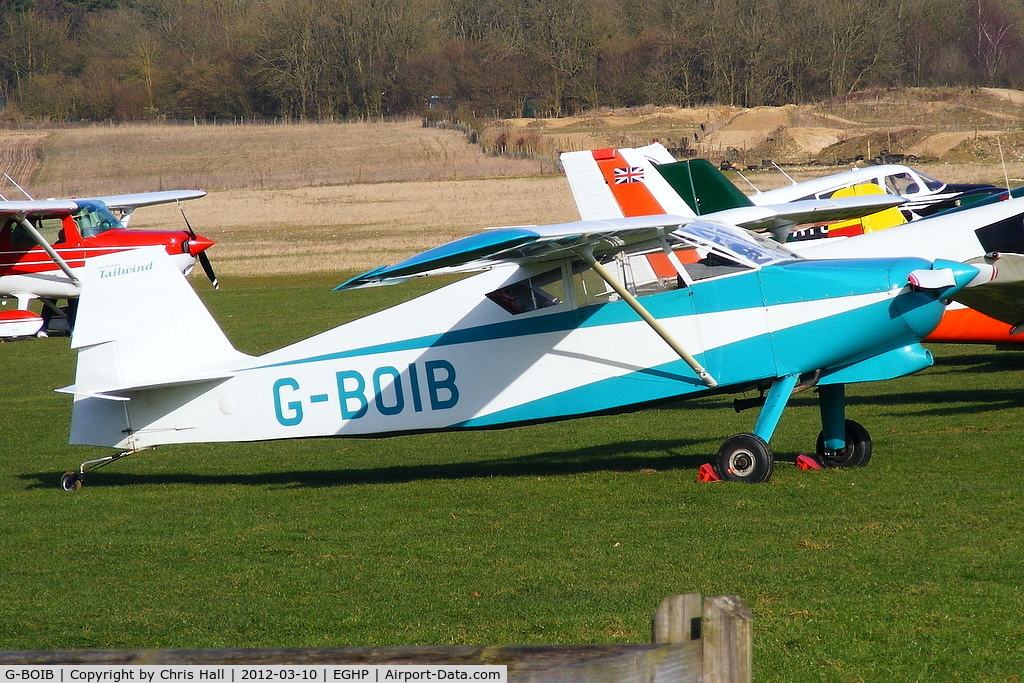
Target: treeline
[(318, 59)]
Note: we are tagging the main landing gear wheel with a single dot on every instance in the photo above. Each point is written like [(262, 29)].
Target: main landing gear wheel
[(71, 481), (856, 453), (746, 458)]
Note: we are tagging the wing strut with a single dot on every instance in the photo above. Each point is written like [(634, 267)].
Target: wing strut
[(51, 252), (587, 254)]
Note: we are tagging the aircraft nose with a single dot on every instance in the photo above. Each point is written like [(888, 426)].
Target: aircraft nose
[(946, 278), (922, 305), (197, 244)]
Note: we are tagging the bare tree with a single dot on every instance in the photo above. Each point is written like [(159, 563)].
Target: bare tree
[(997, 39)]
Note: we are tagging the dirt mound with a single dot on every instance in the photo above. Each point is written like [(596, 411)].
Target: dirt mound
[(941, 124), (939, 144)]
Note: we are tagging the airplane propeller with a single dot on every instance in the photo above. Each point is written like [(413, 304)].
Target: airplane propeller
[(204, 261), (200, 245)]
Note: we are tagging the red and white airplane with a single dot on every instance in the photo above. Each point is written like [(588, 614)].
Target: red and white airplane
[(45, 243)]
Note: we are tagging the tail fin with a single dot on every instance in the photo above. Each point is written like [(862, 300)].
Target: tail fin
[(617, 183), (702, 186), (140, 324)]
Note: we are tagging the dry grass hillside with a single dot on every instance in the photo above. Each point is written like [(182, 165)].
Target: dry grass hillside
[(333, 197), (282, 198)]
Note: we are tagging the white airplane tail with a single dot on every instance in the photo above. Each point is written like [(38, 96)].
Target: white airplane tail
[(613, 183), (140, 325)]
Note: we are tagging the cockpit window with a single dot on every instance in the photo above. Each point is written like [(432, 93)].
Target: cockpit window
[(49, 228), (902, 183), (713, 264), (93, 218), (700, 250), (531, 294), (756, 249), (933, 184)]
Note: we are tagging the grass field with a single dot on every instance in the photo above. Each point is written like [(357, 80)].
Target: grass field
[(570, 532)]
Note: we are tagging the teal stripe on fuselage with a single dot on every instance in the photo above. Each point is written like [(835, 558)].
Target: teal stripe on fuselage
[(648, 385), (796, 350)]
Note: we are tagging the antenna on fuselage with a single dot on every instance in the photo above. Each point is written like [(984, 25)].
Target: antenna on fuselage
[(1006, 176), (793, 182), (756, 189)]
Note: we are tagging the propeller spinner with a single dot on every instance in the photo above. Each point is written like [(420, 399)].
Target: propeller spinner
[(197, 246)]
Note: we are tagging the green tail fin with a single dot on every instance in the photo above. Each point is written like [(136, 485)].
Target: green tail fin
[(703, 186)]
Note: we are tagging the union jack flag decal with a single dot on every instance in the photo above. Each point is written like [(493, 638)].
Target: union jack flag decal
[(631, 174)]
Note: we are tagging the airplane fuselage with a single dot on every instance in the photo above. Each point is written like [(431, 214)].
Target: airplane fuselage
[(430, 365)]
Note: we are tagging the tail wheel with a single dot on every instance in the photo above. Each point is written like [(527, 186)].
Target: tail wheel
[(856, 453), (746, 458), (71, 481)]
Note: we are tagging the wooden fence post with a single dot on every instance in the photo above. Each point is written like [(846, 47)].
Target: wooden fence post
[(677, 619), (727, 637)]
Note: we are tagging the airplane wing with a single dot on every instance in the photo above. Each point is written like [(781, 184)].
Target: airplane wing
[(774, 218), (125, 204), (133, 201), (524, 245), (46, 208), (711, 195)]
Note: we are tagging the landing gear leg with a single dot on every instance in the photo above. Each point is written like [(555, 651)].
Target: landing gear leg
[(747, 457), (842, 442), (73, 481)]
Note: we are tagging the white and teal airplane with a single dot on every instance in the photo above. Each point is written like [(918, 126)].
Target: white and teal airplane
[(555, 326)]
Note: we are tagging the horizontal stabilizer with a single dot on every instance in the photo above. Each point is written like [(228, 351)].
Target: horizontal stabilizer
[(522, 246), (138, 321)]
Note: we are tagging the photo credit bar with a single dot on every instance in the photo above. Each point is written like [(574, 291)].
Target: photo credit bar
[(254, 673)]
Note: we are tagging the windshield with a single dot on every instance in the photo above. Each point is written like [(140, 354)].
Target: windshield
[(932, 184), (748, 246), (94, 217)]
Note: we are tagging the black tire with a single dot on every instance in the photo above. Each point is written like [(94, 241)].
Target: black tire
[(745, 458), (856, 453), (71, 481)]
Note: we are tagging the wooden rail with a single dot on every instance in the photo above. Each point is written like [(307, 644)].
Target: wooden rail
[(694, 640)]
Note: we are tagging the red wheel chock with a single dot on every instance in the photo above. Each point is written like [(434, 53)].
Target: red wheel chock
[(807, 462), (707, 473)]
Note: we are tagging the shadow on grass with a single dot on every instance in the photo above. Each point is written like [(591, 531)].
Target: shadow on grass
[(1001, 361), (629, 456), (949, 402)]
